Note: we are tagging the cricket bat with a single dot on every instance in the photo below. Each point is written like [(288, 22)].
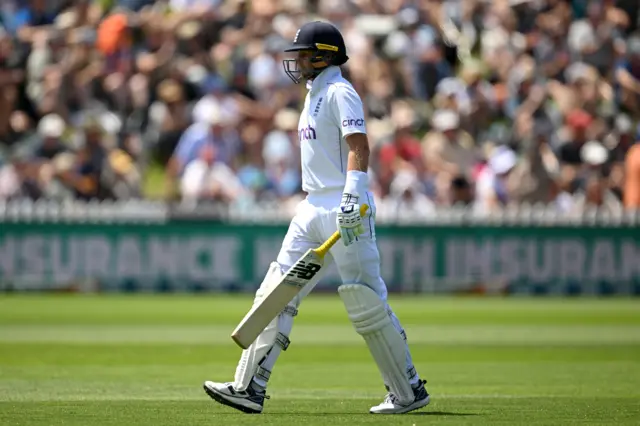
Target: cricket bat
[(282, 292)]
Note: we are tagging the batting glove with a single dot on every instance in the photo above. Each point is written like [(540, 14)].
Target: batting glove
[(349, 220)]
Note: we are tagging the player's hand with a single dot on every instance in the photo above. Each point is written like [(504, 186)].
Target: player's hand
[(349, 220)]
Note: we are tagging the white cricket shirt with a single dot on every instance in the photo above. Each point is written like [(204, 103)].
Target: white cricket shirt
[(332, 110)]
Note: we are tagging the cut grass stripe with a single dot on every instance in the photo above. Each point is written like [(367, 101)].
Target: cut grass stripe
[(322, 335)]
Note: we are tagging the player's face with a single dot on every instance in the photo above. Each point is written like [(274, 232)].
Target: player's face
[(304, 63)]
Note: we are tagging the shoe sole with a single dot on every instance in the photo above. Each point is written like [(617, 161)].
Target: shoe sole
[(415, 406), (222, 400)]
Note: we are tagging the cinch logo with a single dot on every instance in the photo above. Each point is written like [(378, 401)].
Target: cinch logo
[(308, 133), (353, 122)]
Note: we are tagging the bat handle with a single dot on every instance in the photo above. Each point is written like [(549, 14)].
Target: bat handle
[(326, 246)]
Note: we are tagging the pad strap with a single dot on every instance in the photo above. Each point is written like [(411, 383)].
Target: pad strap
[(290, 310), (263, 373), (282, 341)]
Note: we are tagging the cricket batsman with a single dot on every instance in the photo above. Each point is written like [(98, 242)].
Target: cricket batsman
[(335, 158)]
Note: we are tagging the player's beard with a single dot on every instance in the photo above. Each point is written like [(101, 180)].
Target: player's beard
[(306, 69)]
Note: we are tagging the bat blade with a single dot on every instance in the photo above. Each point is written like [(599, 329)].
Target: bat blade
[(277, 297)]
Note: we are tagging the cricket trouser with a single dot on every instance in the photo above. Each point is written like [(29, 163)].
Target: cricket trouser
[(313, 223)]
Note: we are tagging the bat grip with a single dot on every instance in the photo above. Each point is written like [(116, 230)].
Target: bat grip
[(326, 246)]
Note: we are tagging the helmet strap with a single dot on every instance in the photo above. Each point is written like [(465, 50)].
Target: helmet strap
[(321, 61)]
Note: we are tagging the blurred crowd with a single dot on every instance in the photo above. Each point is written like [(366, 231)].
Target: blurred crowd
[(479, 103)]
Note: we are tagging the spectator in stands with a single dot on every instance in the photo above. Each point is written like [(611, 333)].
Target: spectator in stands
[(171, 116), (208, 179), (448, 150), (596, 38), (479, 106), (12, 171), (20, 17), (11, 77), (193, 5), (628, 77), (253, 176), (492, 191), (46, 57), (214, 131), (574, 136), (425, 57), (180, 83), (550, 48), (596, 194), (461, 192), (281, 156), (406, 199), (121, 176), (531, 180), (50, 128), (619, 138), (402, 151)]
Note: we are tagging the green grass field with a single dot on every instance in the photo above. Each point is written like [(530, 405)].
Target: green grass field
[(141, 360)]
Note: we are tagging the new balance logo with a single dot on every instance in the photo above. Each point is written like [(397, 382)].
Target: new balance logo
[(304, 271)]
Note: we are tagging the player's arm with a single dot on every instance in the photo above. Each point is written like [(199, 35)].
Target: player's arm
[(349, 113), (632, 179), (357, 182), (358, 159)]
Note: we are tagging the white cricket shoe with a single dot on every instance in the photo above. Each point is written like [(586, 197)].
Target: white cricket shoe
[(249, 401), (391, 406)]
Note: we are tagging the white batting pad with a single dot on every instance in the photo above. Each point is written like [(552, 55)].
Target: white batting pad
[(277, 331), (387, 346)]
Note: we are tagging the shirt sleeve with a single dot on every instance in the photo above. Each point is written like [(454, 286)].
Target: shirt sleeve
[(348, 111)]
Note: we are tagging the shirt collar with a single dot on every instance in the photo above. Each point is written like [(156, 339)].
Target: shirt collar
[(324, 77)]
